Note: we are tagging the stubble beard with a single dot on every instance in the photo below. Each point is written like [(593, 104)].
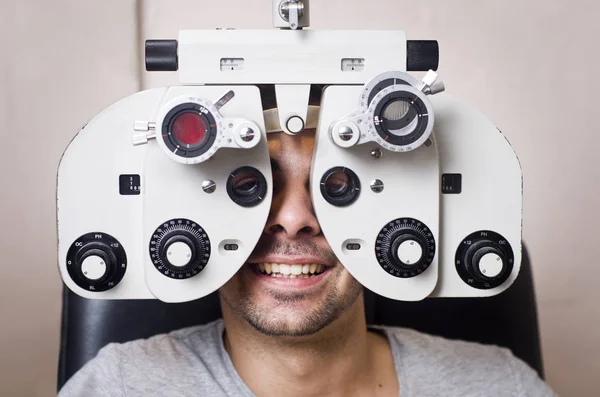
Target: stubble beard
[(279, 320)]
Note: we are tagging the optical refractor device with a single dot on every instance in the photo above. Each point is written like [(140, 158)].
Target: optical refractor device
[(165, 194)]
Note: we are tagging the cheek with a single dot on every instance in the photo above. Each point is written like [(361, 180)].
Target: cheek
[(346, 280), (232, 287)]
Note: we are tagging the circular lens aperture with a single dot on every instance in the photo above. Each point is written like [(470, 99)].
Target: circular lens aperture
[(245, 183), (188, 131), (399, 117), (247, 186), (189, 128), (337, 184), (340, 186)]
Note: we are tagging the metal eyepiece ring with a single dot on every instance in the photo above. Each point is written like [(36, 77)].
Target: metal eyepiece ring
[(340, 186), (247, 186)]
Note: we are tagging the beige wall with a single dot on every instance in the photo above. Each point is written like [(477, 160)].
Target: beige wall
[(61, 63), (530, 66)]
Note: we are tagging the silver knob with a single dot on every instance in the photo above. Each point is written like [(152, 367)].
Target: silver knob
[(291, 11), (247, 134), (148, 131), (431, 85), (345, 133)]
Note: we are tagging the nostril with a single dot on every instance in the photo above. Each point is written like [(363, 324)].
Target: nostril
[(306, 229), (276, 229)]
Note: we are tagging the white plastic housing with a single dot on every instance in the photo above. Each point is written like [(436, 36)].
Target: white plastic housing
[(88, 198), (411, 181), (467, 143), (492, 190), (288, 56)]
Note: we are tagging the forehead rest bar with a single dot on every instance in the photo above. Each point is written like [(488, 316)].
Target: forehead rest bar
[(272, 119)]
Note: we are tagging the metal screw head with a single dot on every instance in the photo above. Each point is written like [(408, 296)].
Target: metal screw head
[(428, 142), (377, 186), (209, 186), (247, 134), (345, 133), (377, 153)]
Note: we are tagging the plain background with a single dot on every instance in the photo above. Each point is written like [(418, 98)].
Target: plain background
[(528, 65)]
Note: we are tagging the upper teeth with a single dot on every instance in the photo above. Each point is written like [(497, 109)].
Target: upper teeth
[(286, 269)]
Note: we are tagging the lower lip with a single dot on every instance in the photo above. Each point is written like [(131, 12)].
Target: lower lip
[(297, 283)]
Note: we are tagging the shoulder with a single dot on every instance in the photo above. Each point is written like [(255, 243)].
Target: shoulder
[(460, 365), (173, 346), (146, 366), (419, 345), (422, 349)]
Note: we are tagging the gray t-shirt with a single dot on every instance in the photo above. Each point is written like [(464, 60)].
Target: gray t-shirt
[(193, 362)]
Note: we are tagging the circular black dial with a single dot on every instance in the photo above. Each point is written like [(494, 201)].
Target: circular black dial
[(189, 130), (484, 259), (96, 262), (179, 248), (405, 247)]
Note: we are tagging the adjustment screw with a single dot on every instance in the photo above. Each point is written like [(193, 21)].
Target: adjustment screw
[(247, 134), (377, 186), (209, 186), (377, 153), (345, 133)]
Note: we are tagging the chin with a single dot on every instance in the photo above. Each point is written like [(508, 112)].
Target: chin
[(292, 323), (290, 311)]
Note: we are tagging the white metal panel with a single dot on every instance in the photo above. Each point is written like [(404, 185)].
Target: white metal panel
[(491, 197), (411, 189), (286, 56), (174, 190), (89, 200)]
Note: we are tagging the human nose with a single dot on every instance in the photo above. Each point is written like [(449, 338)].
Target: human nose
[(292, 215)]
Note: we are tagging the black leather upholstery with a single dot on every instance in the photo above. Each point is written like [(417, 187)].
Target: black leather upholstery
[(509, 320)]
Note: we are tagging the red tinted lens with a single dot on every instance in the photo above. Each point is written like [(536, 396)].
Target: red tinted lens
[(189, 128)]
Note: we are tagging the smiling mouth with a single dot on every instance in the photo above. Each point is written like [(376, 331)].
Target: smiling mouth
[(282, 270)]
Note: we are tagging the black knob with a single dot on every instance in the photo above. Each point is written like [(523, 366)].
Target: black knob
[(161, 56), (422, 55), (96, 262), (405, 247), (484, 260), (179, 248)]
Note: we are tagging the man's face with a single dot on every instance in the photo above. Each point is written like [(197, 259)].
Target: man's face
[(280, 303)]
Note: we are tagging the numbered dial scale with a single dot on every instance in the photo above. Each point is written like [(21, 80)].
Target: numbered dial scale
[(405, 247), (398, 112), (179, 248), (484, 259), (96, 261)]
